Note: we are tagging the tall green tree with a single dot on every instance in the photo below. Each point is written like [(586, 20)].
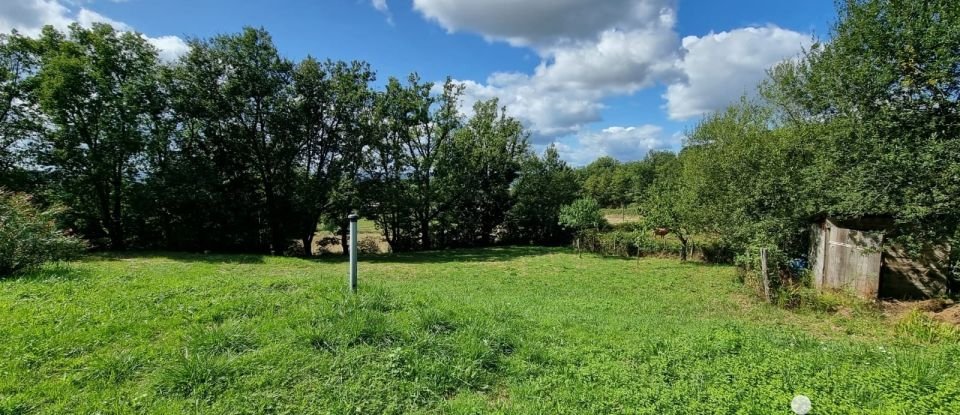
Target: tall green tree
[(235, 93), (881, 101), (545, 184), (19, 118), (431, 125), (671, 203), (332, 105), (414, 125), (92, 85), (390, 195), (750, 179), (604, 181), (475, 171), (581, 216)]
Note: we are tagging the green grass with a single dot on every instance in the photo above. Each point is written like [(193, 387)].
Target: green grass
[(617, 216), (514, 330), (367, 226)]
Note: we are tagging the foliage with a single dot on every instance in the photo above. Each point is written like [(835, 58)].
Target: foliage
[(671, 203), (616, 184), (94, 87), (369, 245), (443, 332), (582, 216), (918, 327), (879, 104), (475, 172), (545, 184), (640, 242), (331, 111), (864, 124), (606, 181), (29, 236), (237, 148), (18, 118)]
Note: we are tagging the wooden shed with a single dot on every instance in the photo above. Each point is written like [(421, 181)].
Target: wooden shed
[(852, 255)]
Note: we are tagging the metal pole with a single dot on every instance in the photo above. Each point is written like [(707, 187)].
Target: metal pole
[(353, 252)]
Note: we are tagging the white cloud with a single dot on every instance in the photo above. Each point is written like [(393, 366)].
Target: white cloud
[(170, 48), (720, 67), (592, 50), (542, 23), (621, 143), (565, 91), (87, 18), (29, 17), (382, 7)]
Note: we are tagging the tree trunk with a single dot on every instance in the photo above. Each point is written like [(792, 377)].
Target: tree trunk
[(344, 238), (683, 247), (277, 242), (425, 234), (117, 238), (103, 205), (309, 233), (307, 245)]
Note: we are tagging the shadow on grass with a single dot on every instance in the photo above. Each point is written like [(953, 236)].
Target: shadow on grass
[(493, 254), (186, 257), (49, 272), (489, 254)]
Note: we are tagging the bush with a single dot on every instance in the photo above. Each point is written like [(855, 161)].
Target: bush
[(369, 245), (921, 328), (630, 240), (29, 235)]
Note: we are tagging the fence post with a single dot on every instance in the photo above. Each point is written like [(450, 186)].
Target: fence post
[(352, 280), (763, 271)]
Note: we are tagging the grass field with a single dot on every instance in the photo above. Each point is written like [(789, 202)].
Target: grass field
[(617, 216), (513, 330)]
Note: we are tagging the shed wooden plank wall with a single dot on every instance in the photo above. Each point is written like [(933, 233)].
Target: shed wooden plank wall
[(847, 259)]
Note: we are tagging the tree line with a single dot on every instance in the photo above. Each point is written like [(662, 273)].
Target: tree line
[(236, 148), (864, 125)]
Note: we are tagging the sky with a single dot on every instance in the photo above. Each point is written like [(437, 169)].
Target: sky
[(593, 77)]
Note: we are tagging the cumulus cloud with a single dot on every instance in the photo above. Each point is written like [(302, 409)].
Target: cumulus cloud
[(720, 67), (87, 18), (590, 51), (382, 7), (565, 91), (622, 143), (170, 48), (542, 23), (30, 16)]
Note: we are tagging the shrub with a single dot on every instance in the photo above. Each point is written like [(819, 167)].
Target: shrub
[(634, 240), (921, 328), (369, 245), (29, 235)]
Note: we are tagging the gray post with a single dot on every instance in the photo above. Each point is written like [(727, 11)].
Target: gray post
[(353, 252)]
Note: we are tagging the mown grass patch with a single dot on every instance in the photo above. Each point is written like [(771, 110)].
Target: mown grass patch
[(510, 330)]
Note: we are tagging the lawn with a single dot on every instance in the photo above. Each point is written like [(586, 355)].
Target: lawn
[(617, 216), (512, 330)]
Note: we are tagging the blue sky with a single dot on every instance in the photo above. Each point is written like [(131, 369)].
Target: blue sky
[(611, 77)]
